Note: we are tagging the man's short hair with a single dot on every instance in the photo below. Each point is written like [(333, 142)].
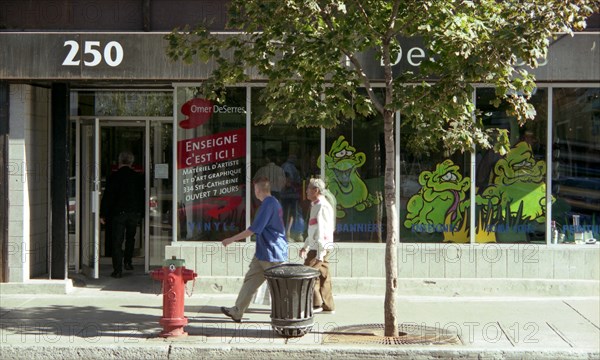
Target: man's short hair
[(263, 183), (126, 158)]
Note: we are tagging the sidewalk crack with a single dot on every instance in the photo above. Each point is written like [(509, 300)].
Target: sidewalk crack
[(512, 342), (560, 334), (580, 314)]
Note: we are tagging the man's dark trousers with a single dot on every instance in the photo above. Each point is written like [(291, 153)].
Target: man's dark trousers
[(124, 227)]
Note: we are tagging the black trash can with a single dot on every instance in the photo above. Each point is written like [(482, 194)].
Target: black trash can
[(291, 287)]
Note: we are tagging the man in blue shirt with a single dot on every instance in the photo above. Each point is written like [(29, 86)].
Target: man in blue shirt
[(271, 246)]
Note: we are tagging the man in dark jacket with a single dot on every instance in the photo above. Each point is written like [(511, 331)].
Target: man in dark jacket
[(123, 205)]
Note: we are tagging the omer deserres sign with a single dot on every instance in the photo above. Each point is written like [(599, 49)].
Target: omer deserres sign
[(142, 56)]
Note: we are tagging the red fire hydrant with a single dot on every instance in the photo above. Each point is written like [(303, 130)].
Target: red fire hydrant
[(173, 275)]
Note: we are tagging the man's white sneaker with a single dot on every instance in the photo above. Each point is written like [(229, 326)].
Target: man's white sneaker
[(317, 310)]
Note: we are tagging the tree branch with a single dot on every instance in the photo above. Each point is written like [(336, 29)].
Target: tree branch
[(390, 29), (357, 65), (363, 13), (385, 54), (365, 79)]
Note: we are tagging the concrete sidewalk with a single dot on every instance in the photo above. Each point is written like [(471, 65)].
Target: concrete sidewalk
[(118, 318)]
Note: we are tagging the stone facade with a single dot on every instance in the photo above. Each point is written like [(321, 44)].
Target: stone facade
[(28, 164), (434, 269)]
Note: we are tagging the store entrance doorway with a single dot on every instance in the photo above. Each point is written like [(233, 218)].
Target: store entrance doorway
[(100, 141)]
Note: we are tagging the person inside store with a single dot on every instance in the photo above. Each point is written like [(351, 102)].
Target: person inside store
[(290, 200), (271, 246), (273, 172), (122, 206), (318, 245)]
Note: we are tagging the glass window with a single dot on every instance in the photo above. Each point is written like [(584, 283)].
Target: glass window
[(354, 171), (434, 194), (160, 206), (211, 163), (122, 103), (576, 164), (288, 156), (511, 189)]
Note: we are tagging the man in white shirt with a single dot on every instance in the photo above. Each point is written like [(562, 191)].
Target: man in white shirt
[(318, 246)]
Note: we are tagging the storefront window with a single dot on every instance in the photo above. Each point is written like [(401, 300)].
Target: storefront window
[(576, 164), (354, 170), (434, 194), (211, 165), (289, 157), (511, 189)]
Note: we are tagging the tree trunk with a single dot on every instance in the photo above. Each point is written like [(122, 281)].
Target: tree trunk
[(391, 257)]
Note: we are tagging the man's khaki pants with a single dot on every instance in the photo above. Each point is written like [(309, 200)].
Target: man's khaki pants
[(323, 295), (254, 278)]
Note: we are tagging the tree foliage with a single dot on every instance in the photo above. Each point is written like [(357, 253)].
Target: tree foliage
[(308, 53)]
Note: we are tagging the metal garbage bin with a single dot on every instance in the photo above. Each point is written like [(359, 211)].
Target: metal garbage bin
[(291, 287)]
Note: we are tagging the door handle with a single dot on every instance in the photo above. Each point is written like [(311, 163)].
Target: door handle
[(95, 196)]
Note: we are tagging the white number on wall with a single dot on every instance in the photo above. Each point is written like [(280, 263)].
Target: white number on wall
[(108, 55), (70, 59), (113, 53)]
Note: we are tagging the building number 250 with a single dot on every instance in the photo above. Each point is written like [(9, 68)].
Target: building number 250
[(93, 48)]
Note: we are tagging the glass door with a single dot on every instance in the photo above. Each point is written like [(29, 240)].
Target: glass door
[(160, 194), (100, 142), (90, 198), (117, 136)]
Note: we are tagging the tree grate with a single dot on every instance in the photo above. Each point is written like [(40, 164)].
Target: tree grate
[(409, 334)]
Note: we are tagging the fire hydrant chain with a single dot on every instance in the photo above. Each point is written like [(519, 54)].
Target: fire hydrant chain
[(160, 288), (189, 293)]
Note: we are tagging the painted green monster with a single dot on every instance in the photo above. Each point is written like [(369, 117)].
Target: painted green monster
[(442, 198), (343, 180), (518, 184)]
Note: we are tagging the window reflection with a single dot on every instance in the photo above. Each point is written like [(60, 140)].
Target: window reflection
[(511, 189), (288, 156), (354, 169), (122, 103), (576, 164)]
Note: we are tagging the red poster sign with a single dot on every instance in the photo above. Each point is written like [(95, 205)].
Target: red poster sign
[(210, 149)]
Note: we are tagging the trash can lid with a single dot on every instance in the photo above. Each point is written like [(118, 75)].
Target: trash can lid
[(291, 270)]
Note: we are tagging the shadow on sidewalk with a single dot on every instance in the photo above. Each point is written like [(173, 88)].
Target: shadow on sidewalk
[(211, 309), (132, 281), (63, 323), (246, 332)]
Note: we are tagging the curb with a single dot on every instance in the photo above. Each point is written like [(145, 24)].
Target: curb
[(174, 351)]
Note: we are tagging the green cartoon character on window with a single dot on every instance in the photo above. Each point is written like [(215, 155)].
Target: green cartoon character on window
[(518, 187), (441, 203), (343, 180)]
